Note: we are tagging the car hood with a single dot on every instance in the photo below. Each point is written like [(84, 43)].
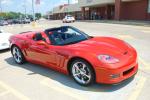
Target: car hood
[(102, 45)]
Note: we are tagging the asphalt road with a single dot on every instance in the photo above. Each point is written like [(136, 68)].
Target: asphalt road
[(34, 82)]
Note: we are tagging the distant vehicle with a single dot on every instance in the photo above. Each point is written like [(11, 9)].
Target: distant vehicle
[(27, 20), (68, 19), (3, 22), (10, 21), (24, 21), (31, 19), (15, 21), (4, 41), (21, 21)]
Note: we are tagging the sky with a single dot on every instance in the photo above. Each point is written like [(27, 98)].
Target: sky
[(43, 7)]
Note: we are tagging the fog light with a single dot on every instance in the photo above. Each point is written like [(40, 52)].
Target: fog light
[(115, 75)]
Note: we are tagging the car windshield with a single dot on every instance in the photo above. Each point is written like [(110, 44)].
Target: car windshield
[(69, 16), (66, 35)]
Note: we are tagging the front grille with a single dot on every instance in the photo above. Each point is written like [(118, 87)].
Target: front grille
[(128, 71)]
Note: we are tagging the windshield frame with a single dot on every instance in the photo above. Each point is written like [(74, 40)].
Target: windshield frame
[(73, 40)]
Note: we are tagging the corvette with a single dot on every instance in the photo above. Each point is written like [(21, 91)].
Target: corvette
[(68, 50)]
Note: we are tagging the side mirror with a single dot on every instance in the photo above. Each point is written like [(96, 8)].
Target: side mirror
[(37, 37), (42, 43)]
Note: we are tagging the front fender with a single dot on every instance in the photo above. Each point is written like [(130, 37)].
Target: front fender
[(91, 58)]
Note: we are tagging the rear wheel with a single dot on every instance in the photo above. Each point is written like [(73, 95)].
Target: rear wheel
[(18, 55), (82, 72)]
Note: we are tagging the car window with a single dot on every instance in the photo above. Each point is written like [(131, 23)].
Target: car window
[(69, 16)]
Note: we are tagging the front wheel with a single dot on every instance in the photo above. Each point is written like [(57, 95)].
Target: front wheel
[(82, 72), (18, 55)]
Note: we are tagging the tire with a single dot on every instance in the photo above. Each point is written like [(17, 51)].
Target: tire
[(18, 55), (82, 72)]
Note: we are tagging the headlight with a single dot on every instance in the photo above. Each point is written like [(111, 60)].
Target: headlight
[(108, 59)]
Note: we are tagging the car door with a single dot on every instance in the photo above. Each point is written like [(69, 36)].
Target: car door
[(44, 54)]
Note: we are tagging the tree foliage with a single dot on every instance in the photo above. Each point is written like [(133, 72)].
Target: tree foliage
[(38, 15), (12, 15)]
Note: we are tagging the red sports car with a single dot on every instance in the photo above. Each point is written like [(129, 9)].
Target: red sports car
[(68, 50)]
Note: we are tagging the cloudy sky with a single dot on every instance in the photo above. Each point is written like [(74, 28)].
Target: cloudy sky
[(18, 5)]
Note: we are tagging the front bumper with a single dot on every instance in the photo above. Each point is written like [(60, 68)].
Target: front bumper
[(114, 76)]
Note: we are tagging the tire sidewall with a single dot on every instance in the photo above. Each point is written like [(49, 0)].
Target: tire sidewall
[(92, 80), (22, 56)]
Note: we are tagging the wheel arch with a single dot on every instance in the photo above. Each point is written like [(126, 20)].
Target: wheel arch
[(23, 57), (12, 45)]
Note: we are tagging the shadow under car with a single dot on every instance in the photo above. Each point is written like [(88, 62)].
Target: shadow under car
[(64, 79)]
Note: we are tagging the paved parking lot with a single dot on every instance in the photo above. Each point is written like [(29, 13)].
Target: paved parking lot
[(33, 82)]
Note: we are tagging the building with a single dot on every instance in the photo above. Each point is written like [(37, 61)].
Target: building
[(106, 9), (116, 9), (61, 11)]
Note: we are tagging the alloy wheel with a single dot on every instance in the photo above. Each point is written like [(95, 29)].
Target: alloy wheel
[(81, 73), (17, 54)]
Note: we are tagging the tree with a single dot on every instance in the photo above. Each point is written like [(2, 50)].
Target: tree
[(38, 15), (11, 15)]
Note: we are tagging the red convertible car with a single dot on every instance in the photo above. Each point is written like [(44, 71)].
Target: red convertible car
[(68, 50)]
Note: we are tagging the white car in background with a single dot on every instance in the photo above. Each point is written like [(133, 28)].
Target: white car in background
[(4, 40), (68, 19)]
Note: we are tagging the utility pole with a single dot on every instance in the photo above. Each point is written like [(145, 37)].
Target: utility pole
[(68, 2), (25, 10), (33, 10)]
